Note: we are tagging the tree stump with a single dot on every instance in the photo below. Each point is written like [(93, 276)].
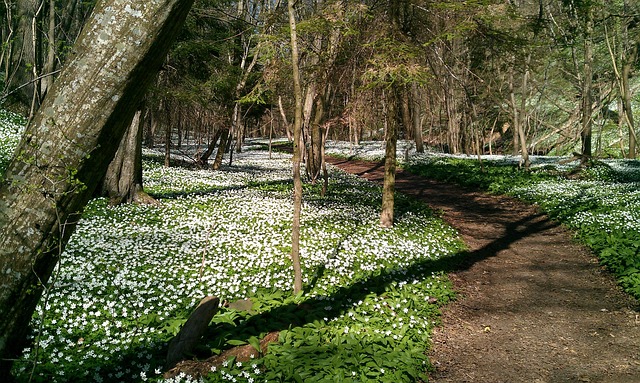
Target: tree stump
[(187, 338)]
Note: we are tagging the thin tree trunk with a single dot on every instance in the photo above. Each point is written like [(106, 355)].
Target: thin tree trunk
[(587, 108), (389, 183), (167, 143), (417, 118), (297, 181), (314, 160), (627, 67), (67, 147), (523, 113), (406, 113), (287, 128)]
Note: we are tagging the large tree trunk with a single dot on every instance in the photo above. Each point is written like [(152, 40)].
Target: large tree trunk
[(67, 147), (123, 181)]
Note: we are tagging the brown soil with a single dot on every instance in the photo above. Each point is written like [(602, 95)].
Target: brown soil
[(534, 305)]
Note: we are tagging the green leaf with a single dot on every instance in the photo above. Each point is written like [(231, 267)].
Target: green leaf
[(236, 342)]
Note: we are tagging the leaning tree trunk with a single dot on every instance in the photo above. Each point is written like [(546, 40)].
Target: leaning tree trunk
[(222, 147), (67, 147), (203, 159)]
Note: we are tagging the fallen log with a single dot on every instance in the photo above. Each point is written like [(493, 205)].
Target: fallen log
[(182, 345)]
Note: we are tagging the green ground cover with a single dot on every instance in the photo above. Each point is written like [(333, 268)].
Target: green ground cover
[(131, 274), (601, 203)]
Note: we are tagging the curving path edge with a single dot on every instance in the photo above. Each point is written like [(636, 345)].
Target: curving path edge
[(534, 305)]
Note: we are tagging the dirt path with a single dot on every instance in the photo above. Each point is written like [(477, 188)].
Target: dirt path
[(534, 306)]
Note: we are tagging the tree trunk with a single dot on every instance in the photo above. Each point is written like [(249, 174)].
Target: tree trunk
[(587, 108), (297, 128), (389, 183), (204, 157), (627, 67), (519, 113), (23, 60), (123, 181), (50, 62), (453, 119), (314, 155), (287, 128), (417, 118), (523, 114), (67, 147), (224, 141), (406, 113)]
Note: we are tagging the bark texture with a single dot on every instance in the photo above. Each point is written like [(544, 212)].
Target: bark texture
[(389, 183), (123, 182), (182, 345), (297, 128), (68, 145)]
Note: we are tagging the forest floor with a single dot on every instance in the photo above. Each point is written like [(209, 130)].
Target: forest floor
[(534, 305)]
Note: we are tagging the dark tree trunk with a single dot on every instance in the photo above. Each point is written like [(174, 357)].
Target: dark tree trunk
[(167, 143), (23, 61), (67, 147), (224, 140), (587, 107), (417, 118), (204, 157)]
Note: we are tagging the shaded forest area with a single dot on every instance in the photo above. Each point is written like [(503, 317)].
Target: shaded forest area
[(477, 76)]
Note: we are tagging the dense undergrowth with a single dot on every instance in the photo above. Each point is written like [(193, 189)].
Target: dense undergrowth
[(131, 275)]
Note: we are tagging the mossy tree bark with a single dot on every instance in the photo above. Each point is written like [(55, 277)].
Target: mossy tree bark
[(68, 145)]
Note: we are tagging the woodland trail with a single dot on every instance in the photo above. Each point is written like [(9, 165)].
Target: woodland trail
[(534, 305)]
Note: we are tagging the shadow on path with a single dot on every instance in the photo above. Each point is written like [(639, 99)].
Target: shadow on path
[(535, 306)]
